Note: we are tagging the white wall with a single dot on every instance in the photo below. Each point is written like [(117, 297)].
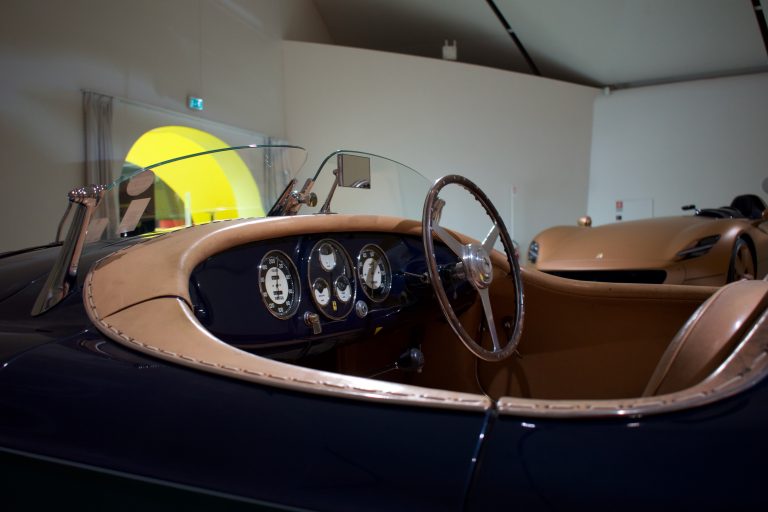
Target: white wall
[(151, 51), (500, 129), (699, 142)]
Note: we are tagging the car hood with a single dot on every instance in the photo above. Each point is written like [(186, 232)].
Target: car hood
[(632, 244)]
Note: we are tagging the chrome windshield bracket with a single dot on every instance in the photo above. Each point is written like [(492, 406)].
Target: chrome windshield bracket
[(290, 201), (326, 208), (62, 278)]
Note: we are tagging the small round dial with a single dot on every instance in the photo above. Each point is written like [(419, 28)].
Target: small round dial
[(327, 256), (279, 284), (343, 288), (331, 276), (375, 272), (321, 292)]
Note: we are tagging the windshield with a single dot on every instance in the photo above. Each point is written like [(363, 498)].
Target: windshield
[(247, 182), (221, 184)]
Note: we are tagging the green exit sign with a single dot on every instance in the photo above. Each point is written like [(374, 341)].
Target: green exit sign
[(195, 103)]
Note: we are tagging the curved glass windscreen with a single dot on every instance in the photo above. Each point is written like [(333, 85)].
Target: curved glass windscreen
[(253, 181), (221, 184)]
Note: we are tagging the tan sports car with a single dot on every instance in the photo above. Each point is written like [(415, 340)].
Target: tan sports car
[(712, 247)]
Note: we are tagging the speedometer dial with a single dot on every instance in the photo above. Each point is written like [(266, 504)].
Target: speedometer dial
[(375, 272), (279, 284)]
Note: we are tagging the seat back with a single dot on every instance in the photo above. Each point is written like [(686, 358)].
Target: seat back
[(709, 337), (750, 205)]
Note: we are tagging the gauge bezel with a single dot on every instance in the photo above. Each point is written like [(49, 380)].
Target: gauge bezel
[(293, 274), (387, 283), (344, 266)]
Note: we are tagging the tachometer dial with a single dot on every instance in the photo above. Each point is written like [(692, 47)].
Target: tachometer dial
[(279, 284), (331, 275), (375, 272), (321, 292)]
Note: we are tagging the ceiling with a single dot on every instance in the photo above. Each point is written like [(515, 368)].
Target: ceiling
[(605, 43)]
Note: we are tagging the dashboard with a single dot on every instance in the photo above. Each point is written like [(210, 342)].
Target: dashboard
[(287, 293)]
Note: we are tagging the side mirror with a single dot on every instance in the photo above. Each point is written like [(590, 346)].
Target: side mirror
[(354, 171)]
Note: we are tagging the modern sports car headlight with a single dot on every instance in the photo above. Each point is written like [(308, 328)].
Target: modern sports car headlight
[(533, 251), (700, 248)]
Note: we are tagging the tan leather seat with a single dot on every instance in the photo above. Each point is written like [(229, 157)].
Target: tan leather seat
[(709, 336)]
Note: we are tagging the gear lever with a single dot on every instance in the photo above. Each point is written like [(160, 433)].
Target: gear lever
[(412, 360)]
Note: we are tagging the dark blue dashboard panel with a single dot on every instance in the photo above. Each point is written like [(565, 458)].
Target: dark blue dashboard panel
[(227, 300)]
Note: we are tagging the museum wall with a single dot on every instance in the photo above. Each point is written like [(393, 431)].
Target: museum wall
[(148, 51), (658, 148), (524, 140)]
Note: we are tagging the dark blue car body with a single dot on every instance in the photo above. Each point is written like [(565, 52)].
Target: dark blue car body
[(85, 420)]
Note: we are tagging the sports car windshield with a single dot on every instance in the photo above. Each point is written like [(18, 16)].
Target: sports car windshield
[(247, 182)]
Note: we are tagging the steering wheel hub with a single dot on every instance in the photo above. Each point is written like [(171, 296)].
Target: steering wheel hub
[(477, 261)]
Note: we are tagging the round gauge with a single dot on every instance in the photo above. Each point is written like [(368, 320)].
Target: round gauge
[(343, 288), (331, 276), (327, 256), (375, 272), (279, 284), (321, 292)]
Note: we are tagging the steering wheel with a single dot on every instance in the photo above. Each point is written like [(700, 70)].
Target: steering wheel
[(477, 268)]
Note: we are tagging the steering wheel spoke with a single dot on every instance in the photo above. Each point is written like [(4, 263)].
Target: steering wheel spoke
[(491, 237), (478, 269), (454, 245), (486, 301)]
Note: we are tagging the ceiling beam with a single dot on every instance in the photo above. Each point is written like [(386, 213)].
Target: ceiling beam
[(760, 15), (518, 43)]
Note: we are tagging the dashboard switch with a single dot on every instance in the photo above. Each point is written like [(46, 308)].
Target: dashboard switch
[(361, 308), (313, 320)]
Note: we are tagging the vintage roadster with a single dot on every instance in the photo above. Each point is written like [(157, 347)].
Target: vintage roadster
[(356, 353)]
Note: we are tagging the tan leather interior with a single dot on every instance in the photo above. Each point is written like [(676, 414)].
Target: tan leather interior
[(590, 340), (708, 337), (587, 348)]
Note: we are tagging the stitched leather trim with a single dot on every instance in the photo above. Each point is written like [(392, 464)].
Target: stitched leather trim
[(138, 297)]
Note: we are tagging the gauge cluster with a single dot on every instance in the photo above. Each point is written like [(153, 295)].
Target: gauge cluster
[(309, 288), (331, 277)]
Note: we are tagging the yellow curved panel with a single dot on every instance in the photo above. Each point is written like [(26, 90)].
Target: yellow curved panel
[(212, 187)]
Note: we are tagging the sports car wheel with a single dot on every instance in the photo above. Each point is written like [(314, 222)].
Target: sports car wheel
[(742, 265), (475, 266)]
